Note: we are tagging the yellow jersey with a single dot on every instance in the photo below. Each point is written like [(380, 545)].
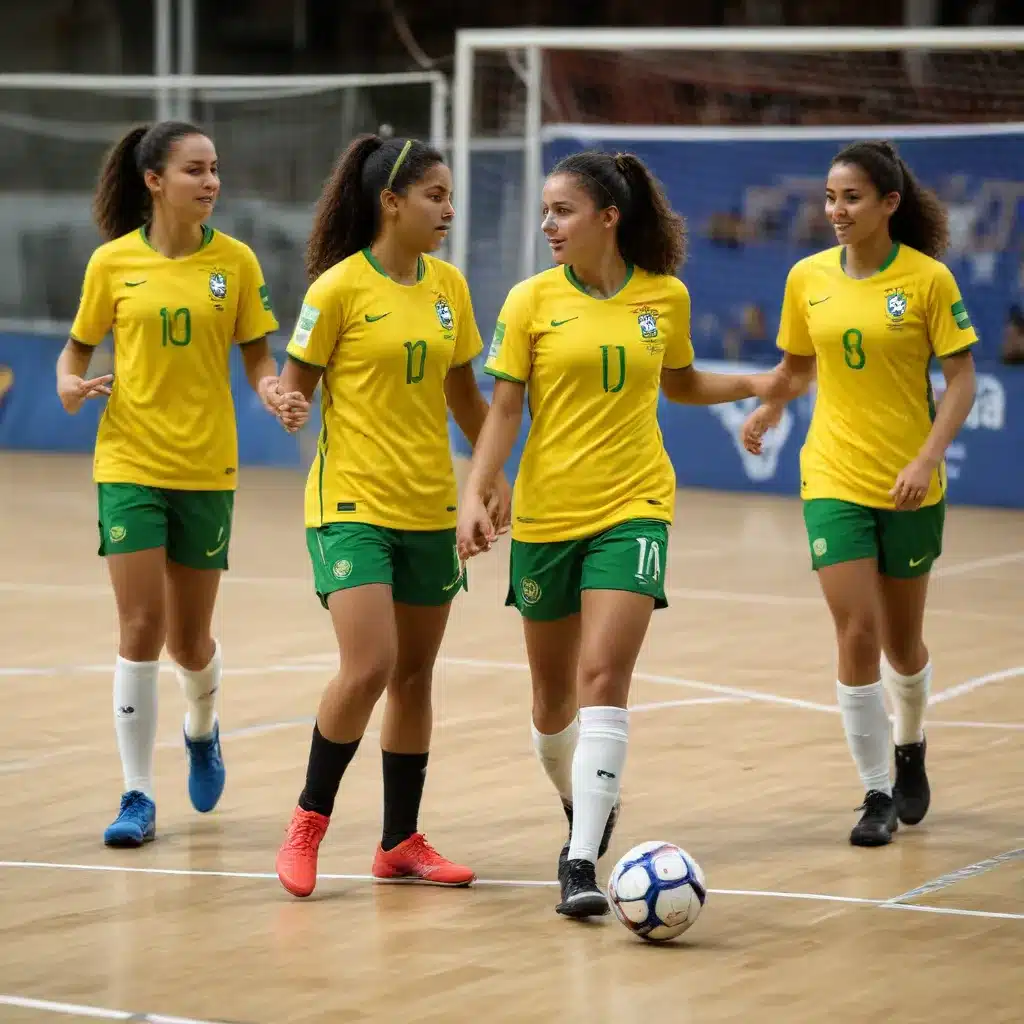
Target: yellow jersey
[(170, 418), (383, 456), (873, 339), (594, 456)]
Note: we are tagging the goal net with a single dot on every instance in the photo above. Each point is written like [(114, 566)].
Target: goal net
[(277, 139), (740, 126)]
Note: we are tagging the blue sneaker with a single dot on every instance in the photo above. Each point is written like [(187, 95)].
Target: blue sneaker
[(135, 823), (205, 771)]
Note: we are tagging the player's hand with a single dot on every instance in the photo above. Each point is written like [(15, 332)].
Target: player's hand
[(762, 419), (911, 487), (499, 505), (475, 531), (291, 409), (73, 391)]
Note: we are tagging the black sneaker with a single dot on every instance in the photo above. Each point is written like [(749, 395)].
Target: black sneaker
[(911, 790), (581, 896), (877, 823), (609, 826)]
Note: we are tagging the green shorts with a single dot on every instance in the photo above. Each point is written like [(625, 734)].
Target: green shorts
[(904, 544), (421, 566), (546, 580), (194, 526)]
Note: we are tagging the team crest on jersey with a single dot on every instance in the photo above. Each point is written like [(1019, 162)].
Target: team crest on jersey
[(896, 305), (218, 285), (444, 313), (647, 320)]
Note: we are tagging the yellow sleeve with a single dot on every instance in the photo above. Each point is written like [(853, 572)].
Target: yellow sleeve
[(949, 326), (511, 353), (679, 346), (794, 337), (318, 326), (95, 316), (255, 318), (468, 343)]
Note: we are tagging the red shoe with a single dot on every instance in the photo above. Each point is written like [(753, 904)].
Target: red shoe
[(415, 860), (296, 860)]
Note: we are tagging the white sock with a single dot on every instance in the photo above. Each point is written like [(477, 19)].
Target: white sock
[(201, 689), (909, 700), (555, 752), (596, 776), (866, 724), (135, 714)]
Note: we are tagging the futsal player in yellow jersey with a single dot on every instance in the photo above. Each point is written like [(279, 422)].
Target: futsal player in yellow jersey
[(591, 340), (176, 295), (868, 316), (390, 334)]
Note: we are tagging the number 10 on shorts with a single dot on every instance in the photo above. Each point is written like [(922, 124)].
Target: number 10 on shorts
[(648, 565)]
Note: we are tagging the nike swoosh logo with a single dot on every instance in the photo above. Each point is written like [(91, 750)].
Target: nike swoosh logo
[(134, 284), (558, 323), (374, 319), (220, 547), (816, 302), (915, 562)]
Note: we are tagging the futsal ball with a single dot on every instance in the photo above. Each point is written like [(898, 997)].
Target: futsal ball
[(657, 891)]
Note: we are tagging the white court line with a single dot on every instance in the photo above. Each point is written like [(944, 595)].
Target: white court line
[(97, 1012), (975, 684), (959, 875), (502, 882), (963, 568)]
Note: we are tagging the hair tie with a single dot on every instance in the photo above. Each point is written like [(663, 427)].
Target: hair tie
[(398, 163)]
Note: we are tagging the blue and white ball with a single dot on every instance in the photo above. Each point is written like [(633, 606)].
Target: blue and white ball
[(657, 891)]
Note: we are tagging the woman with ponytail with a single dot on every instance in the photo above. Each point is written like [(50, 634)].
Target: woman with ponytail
[(177, 295), (866, 317), (593, 338), (389, 332)]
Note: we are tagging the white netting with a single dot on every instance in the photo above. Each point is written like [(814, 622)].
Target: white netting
[(276, 140), (742, 139)]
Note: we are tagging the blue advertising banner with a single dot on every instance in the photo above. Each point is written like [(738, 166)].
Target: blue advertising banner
[(986, 463)]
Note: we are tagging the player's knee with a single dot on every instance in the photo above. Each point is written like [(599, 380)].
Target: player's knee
[(860, 641), (142, 634), (553, 704), (369, 678), (602, 685), (411, 686), (906, 654), (191, 652)]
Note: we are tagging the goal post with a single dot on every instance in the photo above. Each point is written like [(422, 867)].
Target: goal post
[(521, 98), (277, 138)]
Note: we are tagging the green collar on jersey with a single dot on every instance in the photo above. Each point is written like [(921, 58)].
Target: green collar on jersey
[(421, 266), (893, 253), (207, 237), (577, 283)]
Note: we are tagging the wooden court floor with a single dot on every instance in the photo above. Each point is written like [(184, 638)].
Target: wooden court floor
[(736, 754)]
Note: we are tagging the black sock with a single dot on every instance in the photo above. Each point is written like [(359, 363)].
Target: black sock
[(327, 764), (404, 775)]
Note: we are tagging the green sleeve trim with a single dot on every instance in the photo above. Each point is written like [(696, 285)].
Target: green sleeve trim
[(88, 344), (503, 376), (252, 341), (305, 362)]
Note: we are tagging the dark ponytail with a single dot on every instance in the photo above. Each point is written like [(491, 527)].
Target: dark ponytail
[(347, 214), (651, 235), (920, 220), (122, 202)]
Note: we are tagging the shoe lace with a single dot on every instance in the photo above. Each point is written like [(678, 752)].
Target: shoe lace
[(420, 849), (133, 802), (304, 834), (206, 753), (873, 801), (582, 874)]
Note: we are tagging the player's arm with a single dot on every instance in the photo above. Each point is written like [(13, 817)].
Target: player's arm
[(461, 391), (690, 386), (951, 336), (93, 321), (317, 332)]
